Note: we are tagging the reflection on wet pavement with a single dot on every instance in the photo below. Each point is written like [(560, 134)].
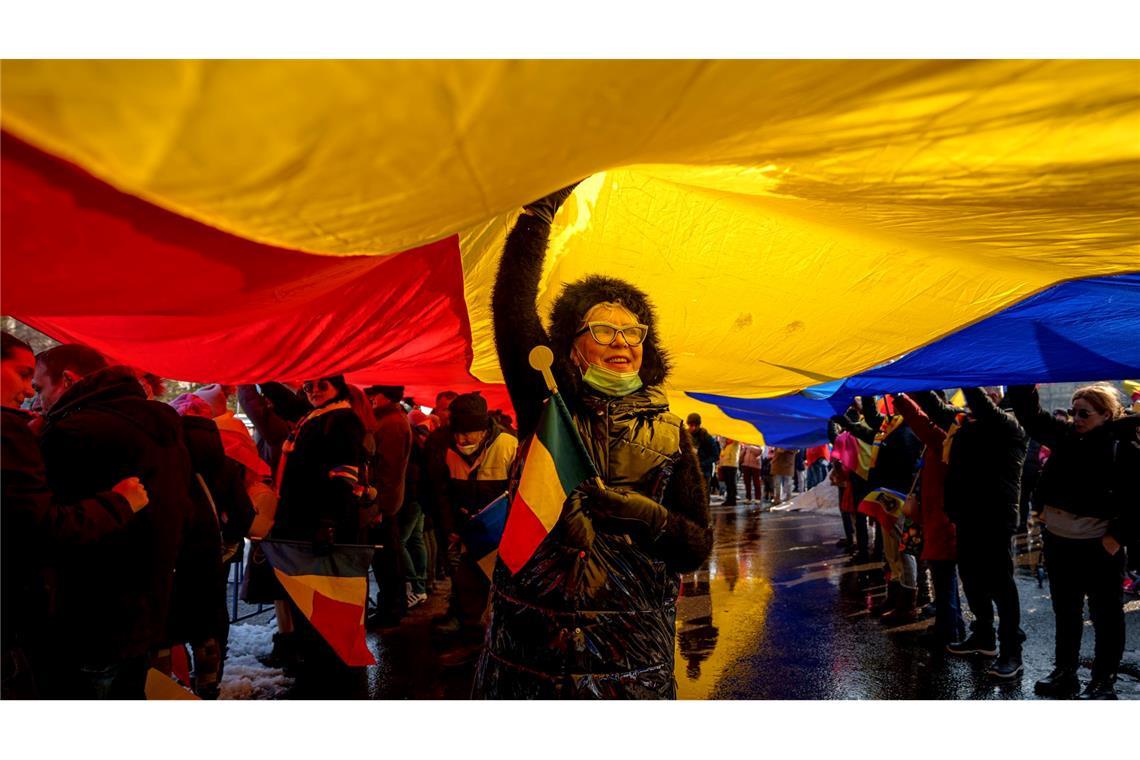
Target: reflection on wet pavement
[(778, 614)]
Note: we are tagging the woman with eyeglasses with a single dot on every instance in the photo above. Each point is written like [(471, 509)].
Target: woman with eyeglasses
[(1088, 496), (593, 613), (317, 479)]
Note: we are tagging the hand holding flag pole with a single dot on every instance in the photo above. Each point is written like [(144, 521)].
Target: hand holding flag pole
[(542, 359)]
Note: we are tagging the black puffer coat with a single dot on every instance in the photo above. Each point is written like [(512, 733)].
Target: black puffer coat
[(1092, 475), (115, 594), (593, 613)]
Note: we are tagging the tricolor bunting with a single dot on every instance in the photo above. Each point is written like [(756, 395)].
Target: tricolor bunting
[(555, 463), (330, 590)]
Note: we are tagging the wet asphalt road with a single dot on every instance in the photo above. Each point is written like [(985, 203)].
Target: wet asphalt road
[(777, 614)]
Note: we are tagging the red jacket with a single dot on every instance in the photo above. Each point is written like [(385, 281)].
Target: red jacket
[(938, 533)]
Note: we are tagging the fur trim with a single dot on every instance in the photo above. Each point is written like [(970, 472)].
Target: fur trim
[(576, 300)]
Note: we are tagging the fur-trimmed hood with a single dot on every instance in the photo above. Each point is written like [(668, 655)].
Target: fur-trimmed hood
[(576, 300)]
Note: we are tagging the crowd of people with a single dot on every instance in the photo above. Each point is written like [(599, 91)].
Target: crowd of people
[(122, 514), (966, 479)]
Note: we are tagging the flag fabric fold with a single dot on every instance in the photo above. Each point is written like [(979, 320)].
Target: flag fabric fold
[(884, 505), (330, 590), (484, 532), (555, 463)]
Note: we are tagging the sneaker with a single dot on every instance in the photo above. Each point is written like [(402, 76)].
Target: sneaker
[(1101, 687), (1062, 683), (974, 644), (1006, 667), (415, 600)]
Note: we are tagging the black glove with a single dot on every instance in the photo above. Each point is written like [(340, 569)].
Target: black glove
[(324, 538), (625, 512), (546, 208)]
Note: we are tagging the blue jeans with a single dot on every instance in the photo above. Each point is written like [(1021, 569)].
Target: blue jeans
[(948, 623), (411, 522)]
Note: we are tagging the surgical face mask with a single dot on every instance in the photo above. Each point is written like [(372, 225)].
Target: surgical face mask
[(468, 450), (607, 381)]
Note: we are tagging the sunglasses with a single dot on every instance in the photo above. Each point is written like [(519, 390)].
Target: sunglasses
[(1082, 414), (320, 385), (606, 333)]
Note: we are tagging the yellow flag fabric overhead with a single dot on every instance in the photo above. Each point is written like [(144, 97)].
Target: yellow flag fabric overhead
[(795, 222)]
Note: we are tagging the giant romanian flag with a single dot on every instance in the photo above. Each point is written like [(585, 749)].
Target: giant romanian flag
[(798, 224), (555, 463), (330, 590)]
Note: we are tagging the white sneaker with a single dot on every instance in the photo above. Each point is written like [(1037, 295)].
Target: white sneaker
[(414, 600)]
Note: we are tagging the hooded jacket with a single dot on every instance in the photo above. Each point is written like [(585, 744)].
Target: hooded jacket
[(1092, 475), (939, 535), (114, 595), (593, 613)]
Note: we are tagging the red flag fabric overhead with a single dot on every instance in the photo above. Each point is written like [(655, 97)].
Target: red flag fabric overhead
[(207, 306)]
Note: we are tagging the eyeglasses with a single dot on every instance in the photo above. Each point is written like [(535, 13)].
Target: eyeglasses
[(1082, 414), (606, 333), (320, 385)]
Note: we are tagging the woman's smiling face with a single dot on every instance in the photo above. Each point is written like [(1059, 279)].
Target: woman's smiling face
[(619, 356)]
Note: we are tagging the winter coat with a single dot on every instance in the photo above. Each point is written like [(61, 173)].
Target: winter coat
[(784, 462), (939, 537), (470, 483), (593, 613), (729, 455), (897, 458), (319, 475), (750, 456), (987, 451), (273, 411), (393, 448), (1092, 475), (114, 595), (36, 528), (708, 450)]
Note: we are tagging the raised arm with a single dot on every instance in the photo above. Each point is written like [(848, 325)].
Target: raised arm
[(939, 412), (517, 325), (871, 412), (917, 420), (1039, 424), (984, 408)]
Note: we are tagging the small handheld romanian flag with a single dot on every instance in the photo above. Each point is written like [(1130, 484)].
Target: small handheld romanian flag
[(884, 505), (555, 463), (331, 590)]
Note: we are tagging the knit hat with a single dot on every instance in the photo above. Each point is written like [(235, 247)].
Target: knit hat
[(215, 396), (469, 413)]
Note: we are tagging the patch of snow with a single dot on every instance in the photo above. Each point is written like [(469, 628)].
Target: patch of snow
[(245, 677)]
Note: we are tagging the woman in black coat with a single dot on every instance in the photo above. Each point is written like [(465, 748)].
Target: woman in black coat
[(593, 613), (1088, 496)]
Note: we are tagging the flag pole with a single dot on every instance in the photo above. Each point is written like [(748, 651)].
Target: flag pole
[(542, 359)]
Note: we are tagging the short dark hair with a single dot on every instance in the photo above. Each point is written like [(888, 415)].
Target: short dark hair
[(74, 357), (446, 396), (391, 392), (694, 419), (11, 344)]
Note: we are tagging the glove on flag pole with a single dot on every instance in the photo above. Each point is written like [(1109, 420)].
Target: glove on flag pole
[(555, 463), (330, 590)]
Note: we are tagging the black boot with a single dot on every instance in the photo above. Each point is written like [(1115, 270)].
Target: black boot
[(893, 590), (975, 643), (1062, 683), (904, 609), (284, 653), (1101, 687)]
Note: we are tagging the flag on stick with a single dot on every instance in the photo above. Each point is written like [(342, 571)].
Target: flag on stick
[(484, 532), (884, 505), (555, 463), (330, 590)]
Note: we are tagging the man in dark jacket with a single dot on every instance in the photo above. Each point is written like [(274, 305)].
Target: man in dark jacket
[(273, 409), (985, 453), (114, 596), (708, 450), (36, 527), (393, 438), (478, 463)]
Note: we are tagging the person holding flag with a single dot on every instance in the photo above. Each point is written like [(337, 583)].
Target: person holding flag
[(584, 592)]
